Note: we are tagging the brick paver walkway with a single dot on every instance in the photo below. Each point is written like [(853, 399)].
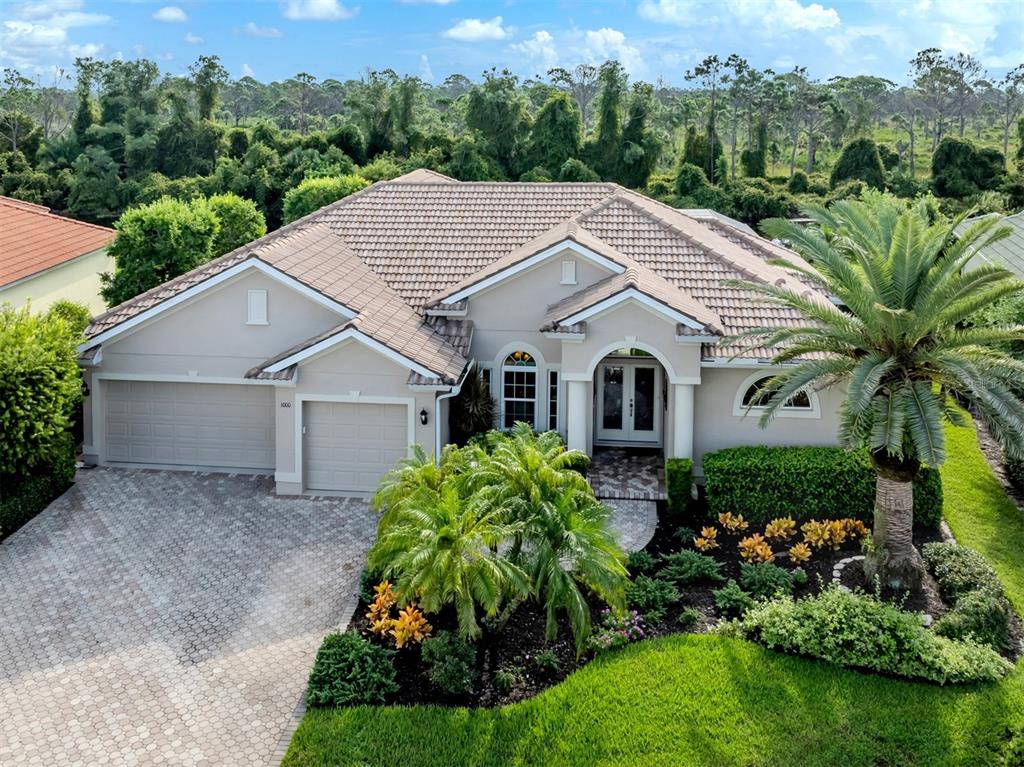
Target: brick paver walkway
[(169, 618)]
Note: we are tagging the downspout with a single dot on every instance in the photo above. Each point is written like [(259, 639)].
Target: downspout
[(437, 408)]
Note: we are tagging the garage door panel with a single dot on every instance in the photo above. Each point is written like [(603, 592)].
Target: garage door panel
[(190, 424), (349, 446)]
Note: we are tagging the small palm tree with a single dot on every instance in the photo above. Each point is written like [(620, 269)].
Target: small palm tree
[(440, 549), (414, 475), (570, 545), (899, 349)]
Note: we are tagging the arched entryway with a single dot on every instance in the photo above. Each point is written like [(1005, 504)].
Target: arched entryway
[(629, 399)]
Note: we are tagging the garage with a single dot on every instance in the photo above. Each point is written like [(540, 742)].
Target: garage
[(190, 424), (348, 446)]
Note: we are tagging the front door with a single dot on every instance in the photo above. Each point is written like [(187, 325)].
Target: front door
[(629, 402)]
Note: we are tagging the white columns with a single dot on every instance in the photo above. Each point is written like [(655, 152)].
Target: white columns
[(577, 415), (682, 435)]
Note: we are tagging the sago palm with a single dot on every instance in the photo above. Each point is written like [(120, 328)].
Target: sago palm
[(440, 549), (898, 348)]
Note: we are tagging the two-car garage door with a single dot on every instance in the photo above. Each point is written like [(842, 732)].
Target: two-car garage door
[(190, 424), (347, 446)]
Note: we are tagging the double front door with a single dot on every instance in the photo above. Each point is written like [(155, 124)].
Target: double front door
[(629, 402)]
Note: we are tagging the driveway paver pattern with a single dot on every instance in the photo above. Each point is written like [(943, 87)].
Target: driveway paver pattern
[(169, 618)]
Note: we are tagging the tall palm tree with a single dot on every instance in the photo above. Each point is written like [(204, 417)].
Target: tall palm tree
[(899, 348), (440, 548)]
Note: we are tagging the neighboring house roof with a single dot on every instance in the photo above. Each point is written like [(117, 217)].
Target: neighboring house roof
[(1008, 252), (32, 239), (400, 252)]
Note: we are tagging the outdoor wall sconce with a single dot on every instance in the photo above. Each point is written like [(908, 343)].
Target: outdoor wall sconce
[(85, 388), (423, 416)]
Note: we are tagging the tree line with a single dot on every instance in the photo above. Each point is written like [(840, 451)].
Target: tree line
[(750, 142)]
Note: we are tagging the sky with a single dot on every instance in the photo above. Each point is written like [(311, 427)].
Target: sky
[(341, 39)]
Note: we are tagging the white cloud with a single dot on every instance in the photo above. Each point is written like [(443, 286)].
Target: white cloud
[(599, 45), (539, 49), (478, 30), (35, 36), (425, 2), (426, 73), (192, 39), (318, 10), (171, 14), (247, 71), (255, 30), (767, 14)]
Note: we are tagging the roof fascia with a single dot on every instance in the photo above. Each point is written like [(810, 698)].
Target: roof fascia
[(632, 294), (521, 266), (349, 334), (212, 282)]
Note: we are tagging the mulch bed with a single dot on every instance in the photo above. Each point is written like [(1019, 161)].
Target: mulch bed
[(516, 646)]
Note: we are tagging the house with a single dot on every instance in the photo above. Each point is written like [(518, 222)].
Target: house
[(45, 257), (322, 351), (1008, 252)]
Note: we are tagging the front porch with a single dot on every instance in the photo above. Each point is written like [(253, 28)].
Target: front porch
[(630, 482)]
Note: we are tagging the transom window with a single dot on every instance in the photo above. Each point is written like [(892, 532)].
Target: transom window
[(519, 389), (751, 397)]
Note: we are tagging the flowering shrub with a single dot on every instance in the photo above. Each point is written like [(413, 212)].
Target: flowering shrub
[(379, 615), (616, 632), (410, 627)]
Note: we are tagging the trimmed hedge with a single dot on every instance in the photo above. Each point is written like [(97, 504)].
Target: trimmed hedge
[(351, 671), (21, 498), (679, 484), (763, 483), (1015, 472)]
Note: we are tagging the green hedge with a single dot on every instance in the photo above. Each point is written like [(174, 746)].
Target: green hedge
[(679, 484), (1015, 472), (21, 498), (763, 483)]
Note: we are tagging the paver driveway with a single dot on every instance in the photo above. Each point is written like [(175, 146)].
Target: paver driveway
[(153, 617)]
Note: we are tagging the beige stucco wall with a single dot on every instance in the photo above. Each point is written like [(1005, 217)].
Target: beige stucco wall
[(715, 426), (76, 280)]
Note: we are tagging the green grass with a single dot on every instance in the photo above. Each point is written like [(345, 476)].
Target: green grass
[(707, 700)]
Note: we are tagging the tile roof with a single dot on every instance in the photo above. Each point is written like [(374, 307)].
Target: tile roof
[(1008, 252), (394, 249), (32, 239)]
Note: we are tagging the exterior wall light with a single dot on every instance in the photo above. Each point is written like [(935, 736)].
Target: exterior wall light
[(423, 416)]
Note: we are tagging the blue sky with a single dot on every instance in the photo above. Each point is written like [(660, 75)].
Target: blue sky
[(274, 39)]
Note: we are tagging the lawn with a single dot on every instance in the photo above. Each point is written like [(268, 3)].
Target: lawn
[(694, 700)]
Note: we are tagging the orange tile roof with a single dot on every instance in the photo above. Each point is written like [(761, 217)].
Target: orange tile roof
[(32, 239)]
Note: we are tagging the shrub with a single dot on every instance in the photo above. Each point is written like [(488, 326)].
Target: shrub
[(859, 160), (640, 563), (684, 535), (860, 631), (679, 484), (959, 169), (240, 220), (960, 570), (314, 193), (576, 170), (690, 180), (765, 580), (1015, 472), (731, 600), (547, 662), (505, 680), (688, 618), (21, 498), (368, 579), (75, 314), (798, 183), (350, 671), (616, 631), (799, 577), (686, 568), (980, 616), (651, 597), (763, 483), (451, 662)]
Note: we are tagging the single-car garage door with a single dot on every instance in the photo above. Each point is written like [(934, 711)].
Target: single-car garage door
[(349, 446), (190, 424)]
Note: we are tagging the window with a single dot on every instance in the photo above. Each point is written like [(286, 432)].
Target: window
[(568, 272), (799, 401), (519, 390), (553, 400), (803, 404), (257, 308)]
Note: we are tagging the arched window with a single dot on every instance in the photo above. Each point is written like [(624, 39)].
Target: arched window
[(751, 397), (803, 404), (518, 389)]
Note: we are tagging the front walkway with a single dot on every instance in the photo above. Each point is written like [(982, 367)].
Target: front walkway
[(169, 618), (630, 482)]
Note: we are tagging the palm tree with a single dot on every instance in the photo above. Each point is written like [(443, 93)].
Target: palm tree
[(570, 545), (562, 537), (900, 348), (414, 475), (440, 548)]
